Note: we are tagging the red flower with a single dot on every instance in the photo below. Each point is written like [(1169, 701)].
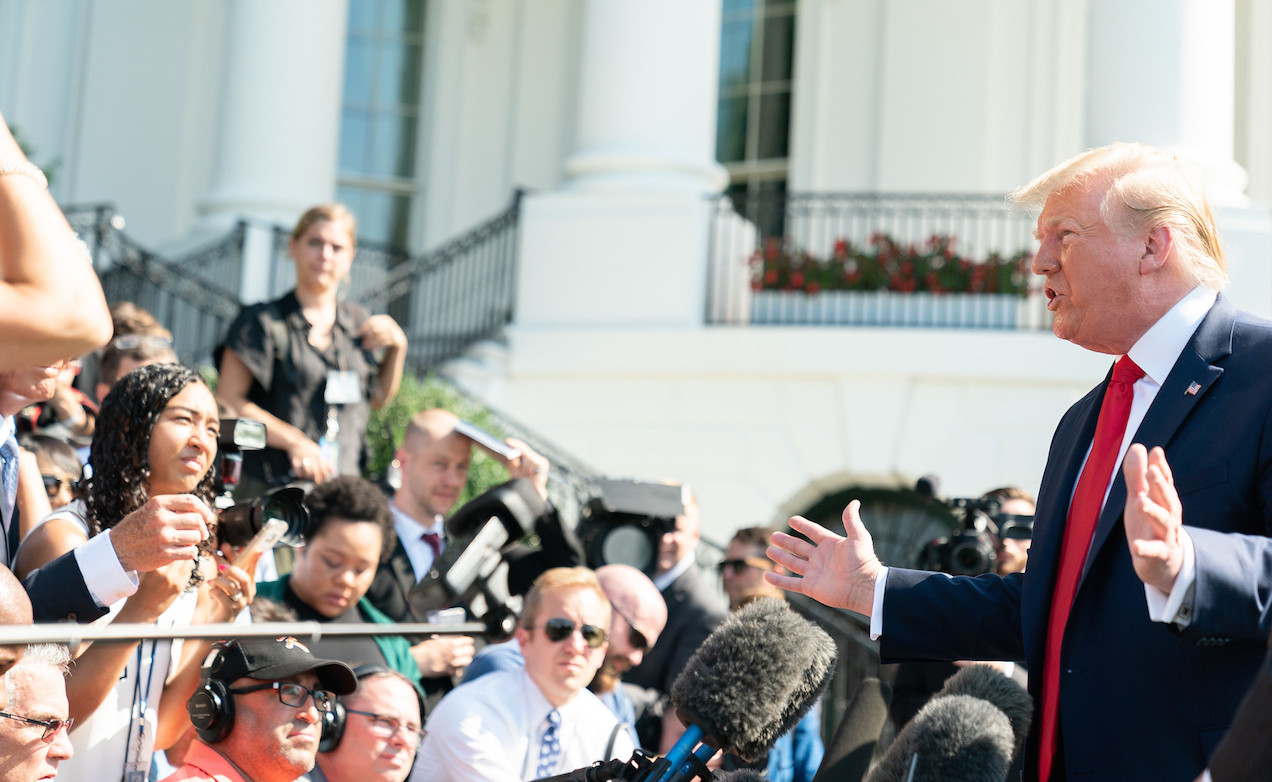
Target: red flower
[(813, 287), (770, 276), (797, 279)]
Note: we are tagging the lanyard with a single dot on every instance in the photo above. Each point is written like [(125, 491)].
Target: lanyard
[(139, 769)]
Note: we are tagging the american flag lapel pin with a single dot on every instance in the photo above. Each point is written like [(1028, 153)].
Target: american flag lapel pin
[(1193, 388)]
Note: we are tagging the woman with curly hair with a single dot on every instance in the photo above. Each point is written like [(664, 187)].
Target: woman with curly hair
[(157, 435)]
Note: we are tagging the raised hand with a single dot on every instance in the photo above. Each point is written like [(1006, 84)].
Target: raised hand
[(1153, 518), (835, 570), (166, 529)]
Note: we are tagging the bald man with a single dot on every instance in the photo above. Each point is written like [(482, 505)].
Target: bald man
[(15, 609), (434, 459)]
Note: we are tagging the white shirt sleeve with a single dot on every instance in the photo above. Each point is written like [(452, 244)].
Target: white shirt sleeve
[(1175, 608), (876, 612), (106, 579)]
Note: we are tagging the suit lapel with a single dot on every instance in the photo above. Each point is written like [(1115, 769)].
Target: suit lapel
[(1192, 376)]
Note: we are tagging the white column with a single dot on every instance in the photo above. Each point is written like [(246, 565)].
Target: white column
[(1162, 72), (625, 240), (647, 96), (279, 122)]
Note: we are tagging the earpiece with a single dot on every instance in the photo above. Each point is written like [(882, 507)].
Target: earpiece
[(211, 707)]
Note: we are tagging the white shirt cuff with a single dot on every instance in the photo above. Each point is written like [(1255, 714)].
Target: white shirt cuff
[(1170, 608), (106, 579), (876, 611)]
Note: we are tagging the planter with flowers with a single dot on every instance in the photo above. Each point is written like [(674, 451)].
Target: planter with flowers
[(886, 283)]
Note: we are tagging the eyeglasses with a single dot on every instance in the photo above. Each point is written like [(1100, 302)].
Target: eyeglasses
[(51, 727), (292, 694), (738, 566), (635, 638), (560, 629), (386, 727), (53, 484), (135, 341)]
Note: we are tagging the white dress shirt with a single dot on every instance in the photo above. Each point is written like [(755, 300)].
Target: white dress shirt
[(411, 533), (490, 730), (1156, 353)]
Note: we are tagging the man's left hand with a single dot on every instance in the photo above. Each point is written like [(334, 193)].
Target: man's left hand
[(530, 464), (1154, 518)]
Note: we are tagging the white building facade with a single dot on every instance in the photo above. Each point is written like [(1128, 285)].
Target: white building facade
[(622, 118)]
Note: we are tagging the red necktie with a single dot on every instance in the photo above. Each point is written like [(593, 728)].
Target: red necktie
[(1084, 512), (434, 542)]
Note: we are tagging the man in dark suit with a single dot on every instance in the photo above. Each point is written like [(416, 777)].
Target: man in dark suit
[(434, 460), (1143, 614), (694, 608)]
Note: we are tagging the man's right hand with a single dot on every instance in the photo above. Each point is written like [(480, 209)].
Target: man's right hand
[(166, 529), (835, 570), (443, 656)]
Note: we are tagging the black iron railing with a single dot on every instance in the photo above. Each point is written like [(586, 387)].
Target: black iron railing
[(195, 309), (872, 259), (446, 299)]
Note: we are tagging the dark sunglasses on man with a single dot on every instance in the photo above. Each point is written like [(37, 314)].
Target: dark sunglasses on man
[(635, 638), (560, 628), (739, 566)]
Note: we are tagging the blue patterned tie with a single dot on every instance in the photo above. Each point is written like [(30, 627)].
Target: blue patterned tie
[(550, 748), (9, 477)]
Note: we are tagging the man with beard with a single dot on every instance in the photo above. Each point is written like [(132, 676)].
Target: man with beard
[(257, 712), (539, 720)]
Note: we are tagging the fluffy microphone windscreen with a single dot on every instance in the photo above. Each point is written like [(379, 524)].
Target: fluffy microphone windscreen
[(986, 683), (954, 738), (741, 775), (515, 503), (754, 677)]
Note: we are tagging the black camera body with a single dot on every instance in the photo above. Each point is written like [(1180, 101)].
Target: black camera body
[(238, 522), (971, 549)]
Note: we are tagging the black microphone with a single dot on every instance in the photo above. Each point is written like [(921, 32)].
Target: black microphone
[(848, 755), (966, 733), (749, 683), (477, 536)]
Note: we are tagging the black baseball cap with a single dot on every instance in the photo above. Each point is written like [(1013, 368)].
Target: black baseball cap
[(272, 659)]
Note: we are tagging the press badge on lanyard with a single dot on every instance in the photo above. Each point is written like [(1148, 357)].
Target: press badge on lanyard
[(343, 387)]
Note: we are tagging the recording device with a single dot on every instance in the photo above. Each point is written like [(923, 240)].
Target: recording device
[(239, 522), (269, 536), (971, 549), (750, 682), (968, 732), (625, 522), (471, 570)]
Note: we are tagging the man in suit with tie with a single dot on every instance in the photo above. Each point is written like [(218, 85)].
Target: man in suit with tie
[(434, 460), (1143, 613)]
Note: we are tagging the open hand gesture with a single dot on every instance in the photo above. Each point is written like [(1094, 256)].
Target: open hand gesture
[(835, 570)]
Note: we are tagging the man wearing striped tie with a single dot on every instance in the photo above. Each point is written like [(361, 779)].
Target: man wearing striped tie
[(540, 720), (1144, 613)]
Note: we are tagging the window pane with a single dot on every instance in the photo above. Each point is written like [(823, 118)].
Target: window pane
[(382, 217), (403, 17), (738, 7), (731, 130), (409, 76), (357, 76), (775, 124), (355, 140), (779, 42), (393, 146), (361, 16), (735, 53)]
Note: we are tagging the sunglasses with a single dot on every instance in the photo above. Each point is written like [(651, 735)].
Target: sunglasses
[(292, 694), (135, 341), (739, 566), (53, 484), (560, 629), (635, 638), (51, 727), (386, 727)]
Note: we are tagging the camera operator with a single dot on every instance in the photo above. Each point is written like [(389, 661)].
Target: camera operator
[(434, 460), (994, 537)]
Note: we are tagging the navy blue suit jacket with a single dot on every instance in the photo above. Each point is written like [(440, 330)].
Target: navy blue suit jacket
[(1138, 699)]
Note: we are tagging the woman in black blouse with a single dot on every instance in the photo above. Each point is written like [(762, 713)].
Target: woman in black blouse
[(306, 364)]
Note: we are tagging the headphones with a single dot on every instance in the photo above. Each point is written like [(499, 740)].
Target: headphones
[(333, 722), (211, 707)]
